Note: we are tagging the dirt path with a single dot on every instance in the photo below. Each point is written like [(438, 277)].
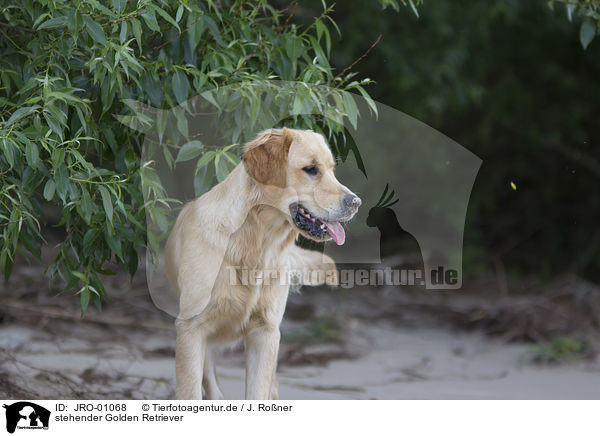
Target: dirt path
[(59, 359), (335, 345)]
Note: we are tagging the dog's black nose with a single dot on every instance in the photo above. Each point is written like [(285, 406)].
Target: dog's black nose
[(351, 201)]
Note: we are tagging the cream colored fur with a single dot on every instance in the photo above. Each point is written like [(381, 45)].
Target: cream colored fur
[(245, 223)]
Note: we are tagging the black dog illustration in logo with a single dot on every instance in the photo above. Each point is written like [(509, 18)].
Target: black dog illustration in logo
[(396, 244), (30, 413)]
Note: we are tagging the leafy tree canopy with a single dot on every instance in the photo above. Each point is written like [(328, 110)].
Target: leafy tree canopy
[(65, 69)]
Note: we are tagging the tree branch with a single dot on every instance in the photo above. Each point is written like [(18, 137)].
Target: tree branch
[(349, 67)]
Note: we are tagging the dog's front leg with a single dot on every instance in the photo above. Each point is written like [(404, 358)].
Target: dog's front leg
[(209, 381), (262, 347), (274, 395), (190, 353)]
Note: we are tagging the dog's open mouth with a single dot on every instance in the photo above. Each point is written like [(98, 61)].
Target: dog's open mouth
[(317, 228)]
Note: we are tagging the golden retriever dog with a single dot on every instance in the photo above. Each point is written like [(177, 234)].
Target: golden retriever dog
[(246, 227)]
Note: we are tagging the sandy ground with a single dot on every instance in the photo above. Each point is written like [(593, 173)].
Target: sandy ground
[(127, 351)]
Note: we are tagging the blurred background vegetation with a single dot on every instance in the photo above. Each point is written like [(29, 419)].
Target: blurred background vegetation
[(510, 81)]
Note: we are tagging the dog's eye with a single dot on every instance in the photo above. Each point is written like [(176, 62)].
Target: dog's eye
[(312, 170)]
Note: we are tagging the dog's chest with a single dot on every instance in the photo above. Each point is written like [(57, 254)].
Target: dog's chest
[(257, 291), (248, 306), (266, 294)]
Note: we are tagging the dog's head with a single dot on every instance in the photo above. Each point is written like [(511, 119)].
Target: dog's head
[(295, 168)]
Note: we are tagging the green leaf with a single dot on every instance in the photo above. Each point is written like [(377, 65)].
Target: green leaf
[(392, 3), (98, 302), (54, 124), (294, 48), (208, 95), (189, 151), (49, 190), (40, 19), (350, 109), (150, 19), (358, 157), (53, 22), (31, 243), (413, 7), (100, 7), (214, 30), (106, 202), (194, 33), (84, 298), (58, 156), (179, 13), (181, 86), (158, 217), (81, 277), (182, 122), (88, 238), (167, 17), (587, 32), (20, 113), (298, 105), (322, 30), (203, 179), (9, 152), (119, 5), (136, 26), (61, 178), (206, 158), (32, 155), (86, 205), (223, 165), (123, 33), (322, 59), (94, 30), (133, 263), (570, 9), (6, 263), (369, 100)]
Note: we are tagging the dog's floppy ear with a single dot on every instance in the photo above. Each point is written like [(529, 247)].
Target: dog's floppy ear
[(266, 157)]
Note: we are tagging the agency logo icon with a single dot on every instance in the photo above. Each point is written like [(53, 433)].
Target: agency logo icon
[(26, 415)]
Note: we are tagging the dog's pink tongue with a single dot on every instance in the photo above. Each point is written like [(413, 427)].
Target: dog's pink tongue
[(337, 232)]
